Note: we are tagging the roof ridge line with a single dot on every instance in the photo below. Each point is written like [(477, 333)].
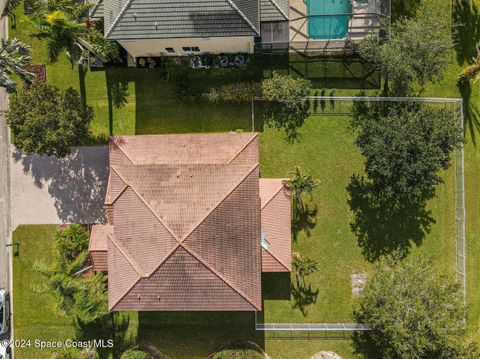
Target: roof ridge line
[(275, 195), (124, 252), (242, 15), (277, 259), (112, 140), (117, 19), (112, 201), (243, 147), (279, 9), (225, 280), (214, 207), (148, 206)]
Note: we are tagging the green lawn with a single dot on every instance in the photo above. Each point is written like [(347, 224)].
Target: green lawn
[(141, 101)]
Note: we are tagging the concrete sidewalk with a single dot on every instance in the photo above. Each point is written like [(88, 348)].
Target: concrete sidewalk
[(49, 190)]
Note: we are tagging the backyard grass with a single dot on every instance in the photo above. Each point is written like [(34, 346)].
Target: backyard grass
[(141, 101)]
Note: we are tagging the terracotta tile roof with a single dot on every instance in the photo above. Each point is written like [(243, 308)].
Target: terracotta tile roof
[(186, 215), (276, 226), (98, 237), (185, 148)]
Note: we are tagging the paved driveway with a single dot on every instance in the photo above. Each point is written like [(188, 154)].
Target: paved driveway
[(49, 190)]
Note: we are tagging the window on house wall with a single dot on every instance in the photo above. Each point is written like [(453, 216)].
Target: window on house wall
[(195, 48), (170, 49), (186, 48)]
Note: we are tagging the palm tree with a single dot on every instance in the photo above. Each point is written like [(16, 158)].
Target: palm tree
[(298, 185), (61, 23), (471, 72), (14, 58)]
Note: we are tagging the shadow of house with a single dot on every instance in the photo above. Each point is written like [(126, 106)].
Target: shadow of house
[(77, 182), (180, 334), (383, 226), (276, 286)]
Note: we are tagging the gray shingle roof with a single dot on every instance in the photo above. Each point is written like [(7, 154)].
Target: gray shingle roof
[(274, 10), (97, 10), (158, 19)]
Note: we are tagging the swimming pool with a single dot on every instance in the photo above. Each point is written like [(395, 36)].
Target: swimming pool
[(328, 27)]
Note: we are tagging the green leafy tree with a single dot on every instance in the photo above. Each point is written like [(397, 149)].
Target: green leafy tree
[(415, 310), (287, 105), (299, 185), (415, 53), (405, 146), (14, 58), (45, 120)]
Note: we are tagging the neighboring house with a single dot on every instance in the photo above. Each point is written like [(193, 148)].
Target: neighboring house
[(172, 28), (191, 225)]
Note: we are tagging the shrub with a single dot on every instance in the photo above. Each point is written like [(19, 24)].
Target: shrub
[(135, 354), (287, 105), (47, 121)]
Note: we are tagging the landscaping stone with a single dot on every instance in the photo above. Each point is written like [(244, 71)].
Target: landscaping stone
[(358, 283)]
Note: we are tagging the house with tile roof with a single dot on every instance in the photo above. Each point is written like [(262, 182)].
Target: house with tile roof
[(167, 27), (191, 225)]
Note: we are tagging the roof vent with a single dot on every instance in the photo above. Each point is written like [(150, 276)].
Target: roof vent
[(264, 242)]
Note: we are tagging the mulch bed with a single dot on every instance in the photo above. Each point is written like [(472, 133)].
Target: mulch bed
[(40, 71)]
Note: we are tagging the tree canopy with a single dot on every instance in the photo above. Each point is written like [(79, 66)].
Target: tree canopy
[(288, 107), (414, 53), (416, 311), (45, 120), (405, 146)]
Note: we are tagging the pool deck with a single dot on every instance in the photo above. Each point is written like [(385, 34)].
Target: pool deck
[(361, 24)]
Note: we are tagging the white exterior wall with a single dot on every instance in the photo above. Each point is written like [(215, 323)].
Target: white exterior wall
[(215, 45)]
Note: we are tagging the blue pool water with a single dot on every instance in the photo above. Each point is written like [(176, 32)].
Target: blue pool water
[(328, 27)]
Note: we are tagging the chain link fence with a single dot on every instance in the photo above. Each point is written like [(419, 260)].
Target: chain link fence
[(344, 106)]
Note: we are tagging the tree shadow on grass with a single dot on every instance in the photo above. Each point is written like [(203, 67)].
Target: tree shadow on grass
[(404, 8), (470, 111), (304, 219), (117, 93), (303, 295), (110, 327), (467, 29), (383, 226), (196, 334)]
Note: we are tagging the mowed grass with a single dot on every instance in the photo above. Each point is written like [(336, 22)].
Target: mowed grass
[(34, 314), (328, 153)]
